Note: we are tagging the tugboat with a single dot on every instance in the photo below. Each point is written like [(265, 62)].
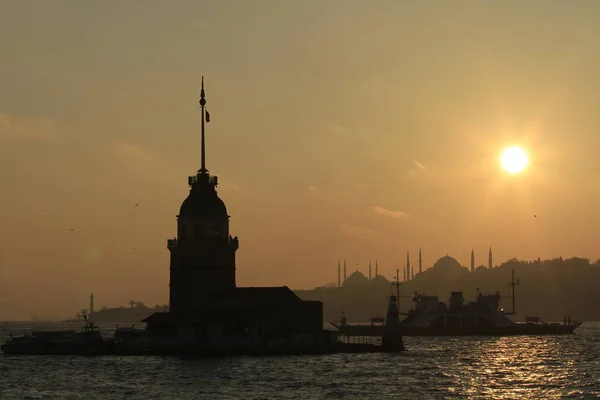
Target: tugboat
[(390, 331), (61, 342)]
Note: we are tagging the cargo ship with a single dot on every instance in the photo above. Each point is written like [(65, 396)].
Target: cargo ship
[(482, 317)]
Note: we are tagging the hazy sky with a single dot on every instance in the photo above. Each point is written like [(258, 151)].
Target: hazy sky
[(339, 130)]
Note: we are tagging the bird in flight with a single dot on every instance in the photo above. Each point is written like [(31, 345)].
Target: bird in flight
[(136, 204)]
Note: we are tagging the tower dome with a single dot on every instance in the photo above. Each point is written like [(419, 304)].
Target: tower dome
[(203, 200)]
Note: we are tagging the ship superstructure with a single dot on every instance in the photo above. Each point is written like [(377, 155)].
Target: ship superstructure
[(431, 317), (484, 316)]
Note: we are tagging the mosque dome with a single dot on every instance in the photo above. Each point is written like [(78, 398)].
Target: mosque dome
[(203, 201), (447, 262), (449, 266), (356, 278)]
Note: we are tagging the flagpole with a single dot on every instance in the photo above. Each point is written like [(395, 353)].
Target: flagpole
[(203, 146)]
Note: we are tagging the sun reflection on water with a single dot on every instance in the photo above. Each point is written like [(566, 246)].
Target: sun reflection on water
[(507, 368)]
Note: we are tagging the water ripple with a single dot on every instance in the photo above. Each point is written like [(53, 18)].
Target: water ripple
[(433, 368)]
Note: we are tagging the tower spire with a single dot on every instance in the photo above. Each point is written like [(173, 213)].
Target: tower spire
[(490, 264), (420, 261), (202, 102), (472, 260)]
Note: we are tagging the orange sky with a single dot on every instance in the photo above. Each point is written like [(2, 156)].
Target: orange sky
[(339, 130)]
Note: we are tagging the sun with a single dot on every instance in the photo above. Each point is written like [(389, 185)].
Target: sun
[(514, 160)]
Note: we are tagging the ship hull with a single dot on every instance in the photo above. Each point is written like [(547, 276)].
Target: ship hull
[(519, 329), (62, 349), (191, 351), (509, 331), (351, 348)]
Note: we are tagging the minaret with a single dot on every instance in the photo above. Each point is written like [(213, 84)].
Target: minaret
[(407, 266), (203, 253), (344, 271), (472, 260), (370, 277), (91, 303), (420, 261), (339, 274), (490, 265), (412, 271), (376, 269)]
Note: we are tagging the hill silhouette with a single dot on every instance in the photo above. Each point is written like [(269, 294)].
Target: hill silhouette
[(132, 314), (550, 289)]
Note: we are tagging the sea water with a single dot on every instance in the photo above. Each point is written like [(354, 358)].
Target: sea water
[(527, 367)]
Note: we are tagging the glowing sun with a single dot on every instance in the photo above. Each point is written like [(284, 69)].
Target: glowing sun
[(513, 160)]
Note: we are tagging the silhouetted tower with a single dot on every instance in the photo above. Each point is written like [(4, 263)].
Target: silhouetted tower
[(412, 271), (407, 266), (420, 261), (472, 260), (339, 274), (370, 277), (344, 271), (91, 303), (490, 259), (203, 253), (376, 269)]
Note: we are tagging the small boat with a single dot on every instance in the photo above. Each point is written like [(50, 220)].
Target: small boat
[(128, 340), (58, 342), (129, 332)]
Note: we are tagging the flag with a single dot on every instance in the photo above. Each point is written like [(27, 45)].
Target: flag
[(207, 116)]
